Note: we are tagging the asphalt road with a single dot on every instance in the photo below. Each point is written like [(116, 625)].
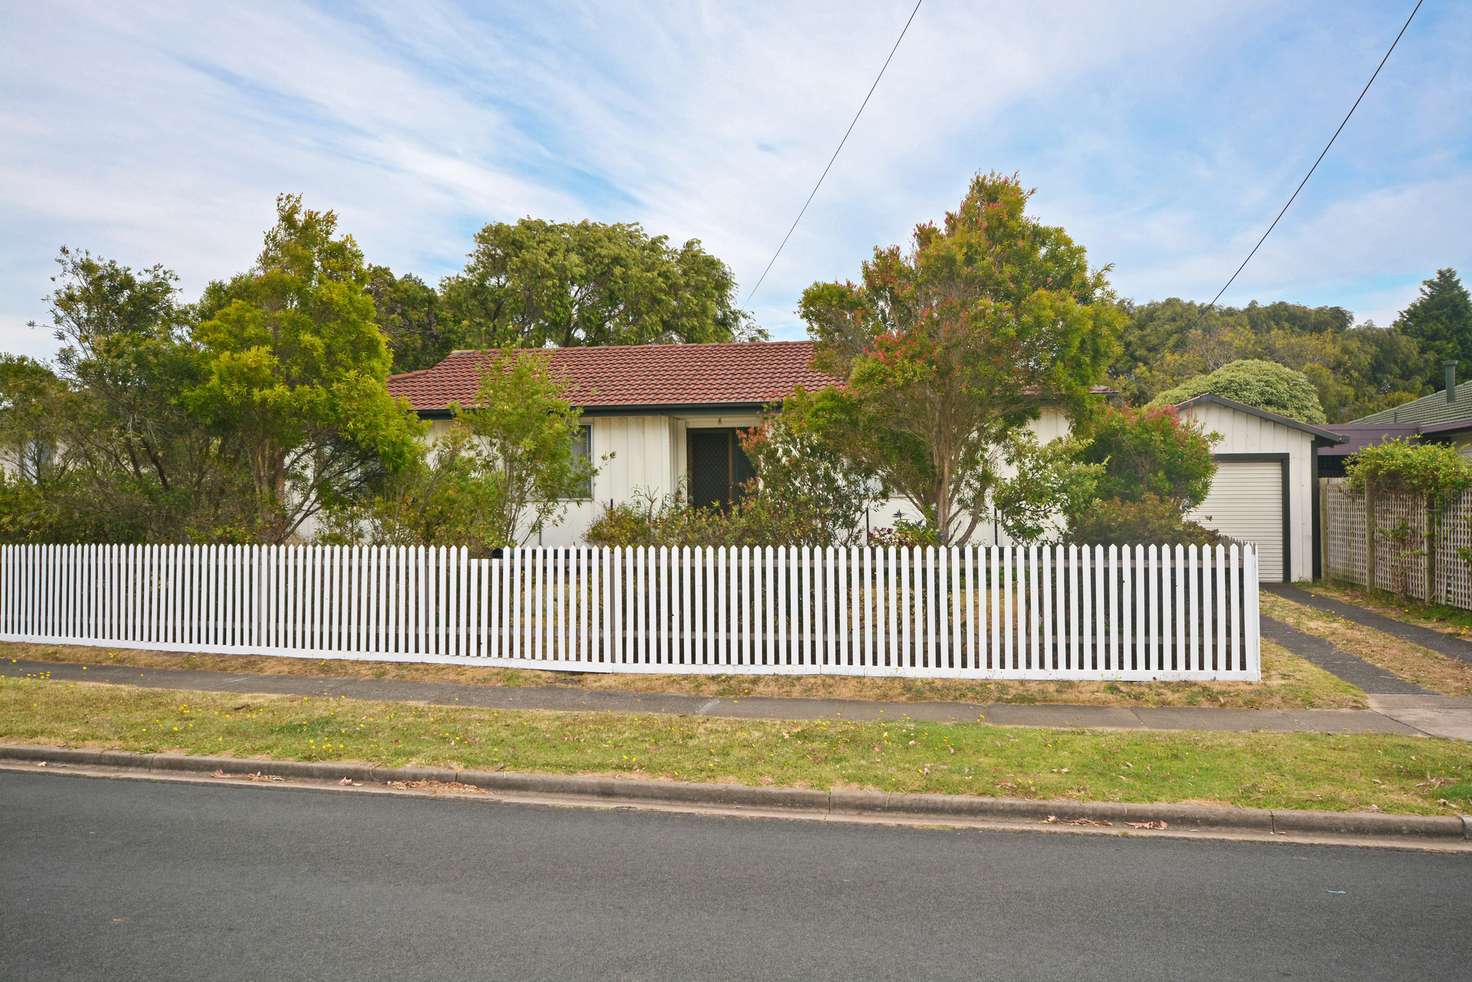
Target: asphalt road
[(119, 880)]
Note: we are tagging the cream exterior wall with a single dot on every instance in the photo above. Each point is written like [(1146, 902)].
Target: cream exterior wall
[(1245, 433)]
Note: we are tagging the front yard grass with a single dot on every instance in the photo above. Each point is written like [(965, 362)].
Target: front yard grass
[(1288, 682), (1425, 667), (1260, 770)]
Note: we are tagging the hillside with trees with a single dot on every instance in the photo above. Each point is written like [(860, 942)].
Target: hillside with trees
[(1355, 369)]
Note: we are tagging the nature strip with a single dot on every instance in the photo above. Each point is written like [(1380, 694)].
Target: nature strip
[(837, 803)]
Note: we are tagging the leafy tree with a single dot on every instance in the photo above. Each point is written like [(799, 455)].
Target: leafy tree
[(33, 405), (522, 443), (134, 450), (439, 499), (536, 283), (408, 313), (1264, 384), (294, 367), (1150, 452), (1440, 319), (951, 347)]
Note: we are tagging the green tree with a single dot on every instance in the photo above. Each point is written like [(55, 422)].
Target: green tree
[(294, 368), (1440, 319), (1049, 481), (524, 447), (408, 313), (33, 406), (1357, 370), (136, 455), (1264, 384), (951, 347), (536, 283)]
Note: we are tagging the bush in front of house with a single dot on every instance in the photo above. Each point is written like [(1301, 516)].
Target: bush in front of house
[(1149, 519), (1156, 468)]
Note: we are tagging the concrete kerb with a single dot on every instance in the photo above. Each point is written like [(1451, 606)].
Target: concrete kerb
[(836, 803)]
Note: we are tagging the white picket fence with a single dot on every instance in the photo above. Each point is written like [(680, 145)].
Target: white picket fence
[(1053, 612)]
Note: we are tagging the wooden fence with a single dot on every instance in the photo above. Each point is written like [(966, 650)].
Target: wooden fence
[(1054, 612), (1398, 542)]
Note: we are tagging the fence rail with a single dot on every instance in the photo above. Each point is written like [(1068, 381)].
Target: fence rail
[(1054, 612)]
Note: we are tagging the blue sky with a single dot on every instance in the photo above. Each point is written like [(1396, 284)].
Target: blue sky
[(1163, 136)]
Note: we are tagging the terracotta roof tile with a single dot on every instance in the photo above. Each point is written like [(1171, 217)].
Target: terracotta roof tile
[(750, 373)]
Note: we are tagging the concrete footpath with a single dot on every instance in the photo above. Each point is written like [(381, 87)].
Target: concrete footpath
[(1418, 716)]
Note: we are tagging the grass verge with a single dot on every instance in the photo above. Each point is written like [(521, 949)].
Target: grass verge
[(1438, 617), (1425, 667), (1259, 770), (1288, 682)]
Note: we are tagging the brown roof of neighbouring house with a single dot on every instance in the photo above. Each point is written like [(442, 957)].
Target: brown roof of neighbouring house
[(628, 376)]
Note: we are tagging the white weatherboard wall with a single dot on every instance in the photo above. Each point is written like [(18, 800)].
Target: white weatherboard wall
[(649, 460), (1246, 499), (1138, 613)]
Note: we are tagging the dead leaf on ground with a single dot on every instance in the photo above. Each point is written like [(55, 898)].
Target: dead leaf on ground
[(1157, 826)]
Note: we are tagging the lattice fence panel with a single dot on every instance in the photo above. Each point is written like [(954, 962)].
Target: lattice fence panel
[(1400, 544), (1454, 573), (1344, 533)]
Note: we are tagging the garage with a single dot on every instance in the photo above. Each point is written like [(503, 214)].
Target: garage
[(1263, 491), (1247, 503)]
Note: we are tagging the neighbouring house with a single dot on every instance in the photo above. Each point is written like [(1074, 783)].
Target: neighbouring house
[(1264, 488), (662, 418), (1443, 417)]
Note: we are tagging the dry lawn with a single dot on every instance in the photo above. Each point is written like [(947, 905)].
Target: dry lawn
[(1288, 682), (1412, 662)]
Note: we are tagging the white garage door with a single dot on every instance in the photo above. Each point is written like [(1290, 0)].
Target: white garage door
[(1246, 503)]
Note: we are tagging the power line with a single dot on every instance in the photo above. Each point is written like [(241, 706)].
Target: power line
[(835, 152), (1316, 162)]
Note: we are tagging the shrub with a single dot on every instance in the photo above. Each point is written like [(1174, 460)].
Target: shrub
[(821, 495), (1149, 519), (1264, 384), (673, 521), (904, 534), (1431, 470), (1151, 452)]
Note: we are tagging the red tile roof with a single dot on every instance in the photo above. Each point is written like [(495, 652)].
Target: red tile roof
[(750, 373)]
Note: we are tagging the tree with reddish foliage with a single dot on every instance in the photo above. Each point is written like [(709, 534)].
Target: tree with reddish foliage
[(952, 346)]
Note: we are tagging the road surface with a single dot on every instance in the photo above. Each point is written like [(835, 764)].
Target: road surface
[(129, 879)]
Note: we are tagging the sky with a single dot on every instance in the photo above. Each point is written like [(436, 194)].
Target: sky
[(1162, 136)]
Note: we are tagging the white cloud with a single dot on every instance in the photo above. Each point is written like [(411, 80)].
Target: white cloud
[(1161, 138)]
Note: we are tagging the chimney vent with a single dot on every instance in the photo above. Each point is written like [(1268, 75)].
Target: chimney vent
[(1451, 381)]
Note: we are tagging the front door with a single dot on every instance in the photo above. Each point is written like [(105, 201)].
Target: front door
[(718, 467)]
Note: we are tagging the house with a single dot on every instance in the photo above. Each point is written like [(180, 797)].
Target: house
[(1264, 488), (1443, 417), (665, 416)]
